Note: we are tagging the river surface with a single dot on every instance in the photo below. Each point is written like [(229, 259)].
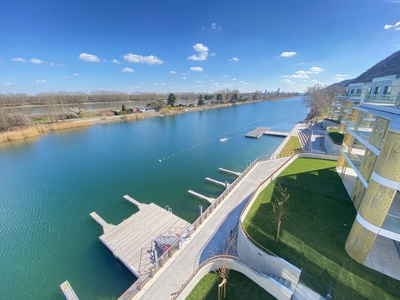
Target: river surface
[(49, 186)]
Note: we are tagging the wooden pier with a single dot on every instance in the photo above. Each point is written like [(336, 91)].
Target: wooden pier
[(220, 184), (257, 133), (200, 196), (276, 133), (229, 172), (132, 241), (69, 293)]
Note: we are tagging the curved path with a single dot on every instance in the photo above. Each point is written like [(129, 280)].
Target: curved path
[(179, 268)]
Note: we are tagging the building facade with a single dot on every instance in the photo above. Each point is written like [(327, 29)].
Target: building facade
[(369, 116)]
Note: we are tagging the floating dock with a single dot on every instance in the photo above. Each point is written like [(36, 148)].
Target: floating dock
[(69, 293), (229, 172), (200, 196), (223, 185), (257, 133), (276, 133), (132, 241)]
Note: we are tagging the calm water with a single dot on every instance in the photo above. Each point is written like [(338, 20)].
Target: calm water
[(49, 185)]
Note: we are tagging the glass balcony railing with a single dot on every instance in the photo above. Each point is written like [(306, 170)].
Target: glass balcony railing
[(386, 100)]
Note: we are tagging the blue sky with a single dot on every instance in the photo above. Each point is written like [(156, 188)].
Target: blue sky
[(185, 45)]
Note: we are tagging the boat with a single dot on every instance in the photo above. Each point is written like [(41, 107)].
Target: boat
[(224, 139)]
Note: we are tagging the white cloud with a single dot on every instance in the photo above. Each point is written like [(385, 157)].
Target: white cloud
[(196, 69), (36, 61), (315, 70), (116, 61), (41, 81), (7, 83), (287, 81), (300, 74), (127, 70), (173, 72), (224, 76), (234, 79), (155, 83), (76, 74), (234, 59), (288, 54), (184, 78), (395, 26), (200, 57), (215, 27), (200, 47), (203, 52), (340, 77), (65, 77), (150, 60), (198, 81), (88, 57), (162, 83), (212, 54), (20, 59)]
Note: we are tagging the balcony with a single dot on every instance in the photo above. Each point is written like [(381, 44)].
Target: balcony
[(383, 100)]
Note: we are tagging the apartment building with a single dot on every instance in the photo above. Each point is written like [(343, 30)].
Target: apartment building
[(369, 115)]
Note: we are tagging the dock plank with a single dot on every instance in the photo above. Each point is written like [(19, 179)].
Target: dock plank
[(257, 133), (127, 239)]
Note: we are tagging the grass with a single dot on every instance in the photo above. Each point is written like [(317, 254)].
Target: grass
[(238, 287), (314, 231), (336, 136), (293, 145)]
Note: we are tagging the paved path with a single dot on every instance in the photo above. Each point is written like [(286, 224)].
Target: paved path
[(176, 271)]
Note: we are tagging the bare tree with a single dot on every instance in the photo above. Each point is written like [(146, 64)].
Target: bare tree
[(319, 98), (279, 208)]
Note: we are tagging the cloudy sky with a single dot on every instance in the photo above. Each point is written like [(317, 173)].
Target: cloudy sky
[(187, 45)]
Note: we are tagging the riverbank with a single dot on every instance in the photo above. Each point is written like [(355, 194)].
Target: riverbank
[(40, 129)]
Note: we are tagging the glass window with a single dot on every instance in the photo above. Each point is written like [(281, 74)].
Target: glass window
[(377, 89), (388, 90)]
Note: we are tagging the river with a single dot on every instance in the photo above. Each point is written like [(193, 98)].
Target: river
[(49, 185)]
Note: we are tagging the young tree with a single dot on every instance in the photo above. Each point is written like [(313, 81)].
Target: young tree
[(279, 208), (219, 97), (171, 99), (123, 107)]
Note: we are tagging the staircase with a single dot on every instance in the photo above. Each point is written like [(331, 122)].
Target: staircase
[(305, 139)]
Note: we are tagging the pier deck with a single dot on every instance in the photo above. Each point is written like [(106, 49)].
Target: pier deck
[(69, 293), (276, 133), (132, 240), (257, 133)]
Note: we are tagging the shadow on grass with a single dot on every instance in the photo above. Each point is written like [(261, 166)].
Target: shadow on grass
[(238, 287), (314, 231)]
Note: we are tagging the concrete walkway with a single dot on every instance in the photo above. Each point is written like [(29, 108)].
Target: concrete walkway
[(179, 268)]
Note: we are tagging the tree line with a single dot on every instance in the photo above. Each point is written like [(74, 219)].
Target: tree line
[(226, 95)]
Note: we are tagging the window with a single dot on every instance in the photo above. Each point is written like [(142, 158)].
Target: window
[(377, 89), (358, 91), (369, 91), (387, 90), (352, 91)]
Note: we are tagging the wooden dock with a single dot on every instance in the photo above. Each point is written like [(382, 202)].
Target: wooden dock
[(132, 241), (233, 173), (69, 293), (276, 133), (220, 184), (257, 133), (200, 196)]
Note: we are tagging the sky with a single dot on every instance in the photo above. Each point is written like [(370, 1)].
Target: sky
[(191, 46)]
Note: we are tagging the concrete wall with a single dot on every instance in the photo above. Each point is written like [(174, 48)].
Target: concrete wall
[(330, 146), (267, 283)]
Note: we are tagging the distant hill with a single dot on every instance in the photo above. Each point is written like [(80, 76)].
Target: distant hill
[(389, 66)]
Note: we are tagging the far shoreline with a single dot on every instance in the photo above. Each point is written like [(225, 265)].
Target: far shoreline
[(37, 130)]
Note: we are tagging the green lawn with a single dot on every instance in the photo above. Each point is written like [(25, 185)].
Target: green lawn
[(314, 231), (238, 287), (293, 145), (336, 136)]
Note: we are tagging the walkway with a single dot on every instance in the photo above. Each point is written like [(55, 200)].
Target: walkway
[(176, 271)]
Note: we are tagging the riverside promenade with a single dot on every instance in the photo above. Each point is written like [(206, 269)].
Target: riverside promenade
[(219, 224)]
